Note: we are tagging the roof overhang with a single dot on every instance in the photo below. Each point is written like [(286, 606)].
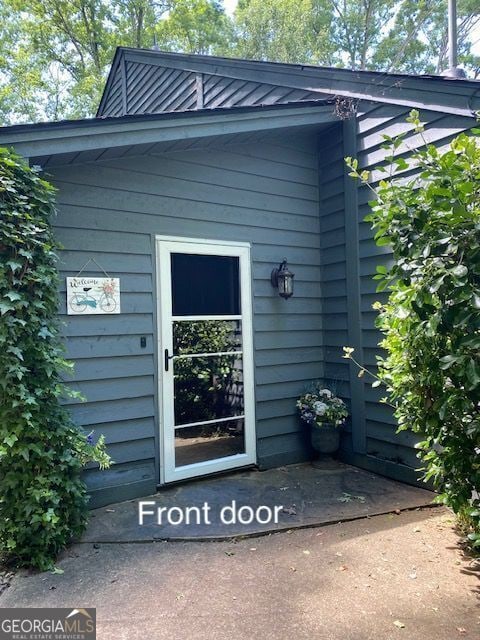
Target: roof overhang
[(67, 137)]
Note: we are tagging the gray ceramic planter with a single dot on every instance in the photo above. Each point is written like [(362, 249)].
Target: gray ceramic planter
[(325, 439)]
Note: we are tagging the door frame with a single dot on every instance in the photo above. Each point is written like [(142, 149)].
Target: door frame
[(164, 245)]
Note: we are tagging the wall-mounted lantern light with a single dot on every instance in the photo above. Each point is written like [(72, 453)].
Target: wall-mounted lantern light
[(282, 279)]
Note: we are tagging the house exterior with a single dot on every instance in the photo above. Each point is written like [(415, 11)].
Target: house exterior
[(198, 176)]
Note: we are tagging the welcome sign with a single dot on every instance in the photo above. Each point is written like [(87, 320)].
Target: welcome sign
[(87, 296)]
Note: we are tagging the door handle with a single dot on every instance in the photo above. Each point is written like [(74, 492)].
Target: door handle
[(167, 358)]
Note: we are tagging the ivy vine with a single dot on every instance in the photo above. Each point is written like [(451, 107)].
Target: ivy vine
[(43, 501)]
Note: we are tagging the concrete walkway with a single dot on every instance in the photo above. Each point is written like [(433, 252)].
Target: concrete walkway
[(304, 495), (379, 578)]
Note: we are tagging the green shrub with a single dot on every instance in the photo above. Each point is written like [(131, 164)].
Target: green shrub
[(431, 321), (42, 498), (202, 384)]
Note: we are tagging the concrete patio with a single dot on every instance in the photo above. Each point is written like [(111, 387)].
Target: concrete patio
[(382, 578), (305, 495), (364, 577)]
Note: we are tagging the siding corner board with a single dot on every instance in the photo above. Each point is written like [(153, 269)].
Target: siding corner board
[(354, 317)]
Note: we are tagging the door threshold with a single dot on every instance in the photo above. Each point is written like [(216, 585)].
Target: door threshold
[(214, 474)]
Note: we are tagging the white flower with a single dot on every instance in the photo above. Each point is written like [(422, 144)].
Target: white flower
[(326, 392), (320, 408)]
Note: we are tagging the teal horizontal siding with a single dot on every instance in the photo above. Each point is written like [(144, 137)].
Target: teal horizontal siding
[(109, 367), (114, 388), (117, 325), (279, 168), (125, 431), (127, 263), (263, 193), (282, 449), (132, 180), (102, 346), (285, 195), (92, 413)]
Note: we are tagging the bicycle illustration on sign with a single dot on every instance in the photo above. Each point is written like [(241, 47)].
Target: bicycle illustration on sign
[(93, 295)]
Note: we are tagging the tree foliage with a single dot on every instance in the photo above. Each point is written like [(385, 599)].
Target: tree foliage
[(42, 498), (200, 26), (386, 35), (358, 29), (431, 321), (55, 54), (285, 31), (417, 41)]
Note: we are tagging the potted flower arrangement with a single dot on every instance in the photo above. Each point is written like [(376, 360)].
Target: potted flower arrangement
[(325, 413)]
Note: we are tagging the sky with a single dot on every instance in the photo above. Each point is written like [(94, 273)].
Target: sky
[(230, 6)]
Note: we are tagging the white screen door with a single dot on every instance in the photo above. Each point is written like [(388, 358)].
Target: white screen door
[(205, 357)]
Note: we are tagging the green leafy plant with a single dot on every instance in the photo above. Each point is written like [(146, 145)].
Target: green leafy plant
[(207, 388), (42, 497), (431, 320)]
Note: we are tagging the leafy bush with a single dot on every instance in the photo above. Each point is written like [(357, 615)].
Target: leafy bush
[(207, 388), (42, 498), (431, 321)]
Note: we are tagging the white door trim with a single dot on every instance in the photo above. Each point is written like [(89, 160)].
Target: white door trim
[(223, 243), (165, 245)]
